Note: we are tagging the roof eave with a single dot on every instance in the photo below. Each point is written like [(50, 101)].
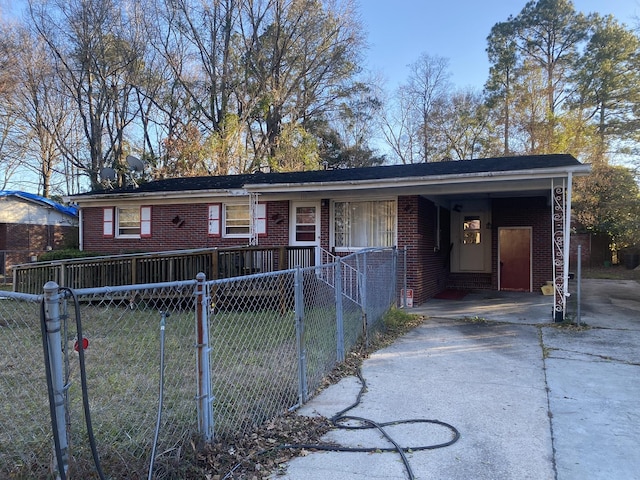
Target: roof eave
[(165, 195), (424, 180), (550, 173)]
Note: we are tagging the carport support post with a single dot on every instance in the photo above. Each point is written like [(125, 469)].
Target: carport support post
[(54, 345), (204, 397), (561, 234), (567, 241)]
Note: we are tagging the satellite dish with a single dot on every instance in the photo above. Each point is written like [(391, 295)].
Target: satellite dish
[(108, 173), (135, 164)]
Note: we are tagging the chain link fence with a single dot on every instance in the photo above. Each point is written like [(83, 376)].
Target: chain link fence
[(25, 430), (235, 353)]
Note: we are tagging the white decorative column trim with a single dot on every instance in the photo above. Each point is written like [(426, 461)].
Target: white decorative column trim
[(561, 232)]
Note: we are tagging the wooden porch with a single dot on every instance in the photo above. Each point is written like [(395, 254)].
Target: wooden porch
[(144, 268)]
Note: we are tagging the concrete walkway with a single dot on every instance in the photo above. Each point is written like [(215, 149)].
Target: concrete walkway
[(531, 400)]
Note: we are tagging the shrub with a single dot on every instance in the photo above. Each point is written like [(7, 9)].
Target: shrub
[(397, 320), (65, 254)]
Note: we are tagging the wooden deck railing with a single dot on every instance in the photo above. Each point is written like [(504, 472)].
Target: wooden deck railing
[(158, 267)]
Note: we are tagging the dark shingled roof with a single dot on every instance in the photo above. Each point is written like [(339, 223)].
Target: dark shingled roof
[(461, 167)]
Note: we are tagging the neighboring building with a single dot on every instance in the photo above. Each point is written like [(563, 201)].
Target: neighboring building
[(31, 224), (495, 223), (595, 250)]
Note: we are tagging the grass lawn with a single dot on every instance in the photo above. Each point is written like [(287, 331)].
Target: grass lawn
[(614, 272)]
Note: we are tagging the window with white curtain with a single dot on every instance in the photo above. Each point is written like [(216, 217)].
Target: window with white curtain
[(128, 221), (132, 222), (364, 224), (237, 220), (234, 220)]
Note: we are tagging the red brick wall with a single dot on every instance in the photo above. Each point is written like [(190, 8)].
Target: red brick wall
[(22, 241), (324, 225), (20, 236), (427, 267), (192, 233)]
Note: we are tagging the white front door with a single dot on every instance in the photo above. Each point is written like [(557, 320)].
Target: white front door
[(304, 228), (471, 236)]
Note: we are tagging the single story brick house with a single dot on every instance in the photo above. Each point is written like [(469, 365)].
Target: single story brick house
[(31, 224), (493, 223)]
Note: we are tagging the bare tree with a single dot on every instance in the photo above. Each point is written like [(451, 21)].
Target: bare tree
[(301, 58), (410, 126), (41, 109), (428, 86), (10, 151), (200, 49), (401, 129), (464, 127), (97, 62)]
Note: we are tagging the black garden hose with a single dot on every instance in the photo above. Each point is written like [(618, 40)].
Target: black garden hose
[(83, 384), (85, 390), (338, 422)]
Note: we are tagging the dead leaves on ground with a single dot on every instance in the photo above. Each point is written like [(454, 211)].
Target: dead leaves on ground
[(264, 451)]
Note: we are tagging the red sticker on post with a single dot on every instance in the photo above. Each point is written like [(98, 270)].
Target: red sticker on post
[(85, 344)]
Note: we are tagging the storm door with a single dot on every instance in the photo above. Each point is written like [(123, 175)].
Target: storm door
[(305, 227)]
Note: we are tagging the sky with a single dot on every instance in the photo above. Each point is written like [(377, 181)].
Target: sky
[(399, 31)]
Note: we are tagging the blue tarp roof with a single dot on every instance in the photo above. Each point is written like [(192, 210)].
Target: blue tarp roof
[(73, 211)]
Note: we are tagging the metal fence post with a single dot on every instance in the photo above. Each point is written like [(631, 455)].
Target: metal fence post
[(404, 278), (579, 286), (204, 397), (54, 346), (302, 354), (393, 295), (339, 318), (362, 279)]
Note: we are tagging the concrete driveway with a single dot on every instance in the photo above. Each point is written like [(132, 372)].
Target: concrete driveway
[(531, 399)]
